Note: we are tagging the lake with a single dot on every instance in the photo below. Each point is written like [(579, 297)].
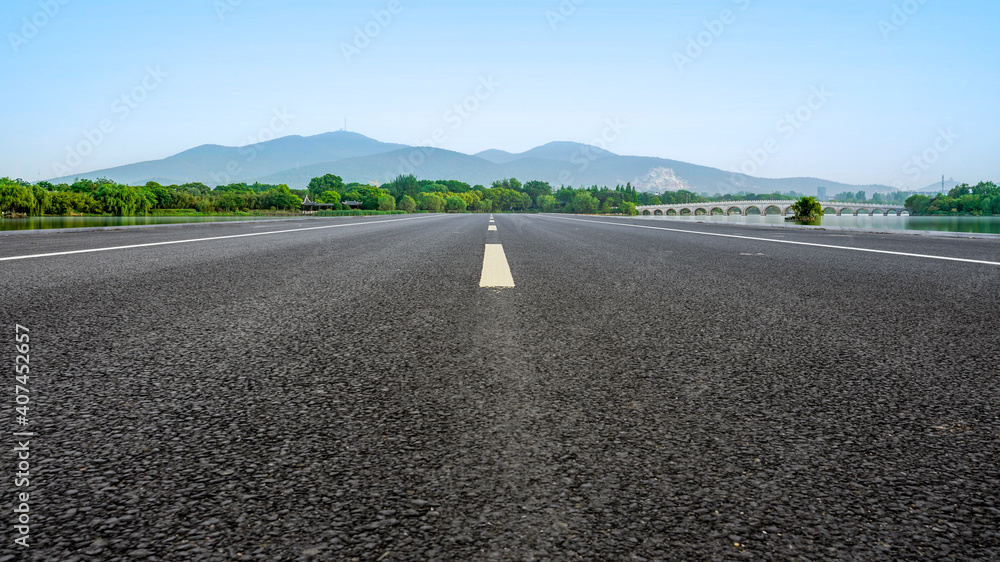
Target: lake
[(981, 225), (42, 223)]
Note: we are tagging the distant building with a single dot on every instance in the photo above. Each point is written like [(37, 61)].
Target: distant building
[(821, 193), (309, 206)]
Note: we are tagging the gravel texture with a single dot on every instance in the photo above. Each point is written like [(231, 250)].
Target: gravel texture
[(351, 393)]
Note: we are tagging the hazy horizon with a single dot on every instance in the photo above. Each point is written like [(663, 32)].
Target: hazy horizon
[(850, 92)]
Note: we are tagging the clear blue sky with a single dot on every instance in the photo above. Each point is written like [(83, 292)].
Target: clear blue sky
[(221, 78)]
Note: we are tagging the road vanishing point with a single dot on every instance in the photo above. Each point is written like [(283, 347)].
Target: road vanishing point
[(555, 387)]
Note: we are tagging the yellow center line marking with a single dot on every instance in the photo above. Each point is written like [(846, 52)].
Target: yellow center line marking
[(496, 271)]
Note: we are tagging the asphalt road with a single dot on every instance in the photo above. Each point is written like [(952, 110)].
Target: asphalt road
[(351, 392)]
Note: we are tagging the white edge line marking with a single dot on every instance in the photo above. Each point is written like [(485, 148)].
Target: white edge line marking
[(205, 239), (945, 258), (496, 271)]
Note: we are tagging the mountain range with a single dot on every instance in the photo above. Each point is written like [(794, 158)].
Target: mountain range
[(294, 160)]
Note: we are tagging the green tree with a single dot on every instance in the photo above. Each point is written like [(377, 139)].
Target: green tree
[(433, 203), (547, 203), (196, 188), (454, 204), (15, 198), (331, 198), (42, 200), (959, 191), (403, 185), (123, 200), (68, 202), (406, 203), (279, 198), (329, 182), (807, 208), (942, 205), (986, 188), (917, 204), (537, 189), (372, 195), (525, 201), (584, 203), (230, 201), (387, 203), (434, 188), (628, 209), (507, 183)]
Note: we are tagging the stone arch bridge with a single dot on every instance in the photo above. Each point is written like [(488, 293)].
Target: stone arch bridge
[(767, 208)]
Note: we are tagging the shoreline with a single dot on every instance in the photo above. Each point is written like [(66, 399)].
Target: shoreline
[(161, 225), (939, 233)]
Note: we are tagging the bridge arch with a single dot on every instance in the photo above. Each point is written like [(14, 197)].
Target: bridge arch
[(848, 211), (671, 212), (775, 208), (685, 212), (830, 211), (700, 211), (737, 210), (646, 213), (863, 210), (658, 212), (713, 210), (755, 208)]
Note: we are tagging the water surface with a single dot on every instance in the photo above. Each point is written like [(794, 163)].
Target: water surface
[(981, 225), (43, 223)]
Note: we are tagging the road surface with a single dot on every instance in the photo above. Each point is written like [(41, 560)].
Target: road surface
[(647, 389)]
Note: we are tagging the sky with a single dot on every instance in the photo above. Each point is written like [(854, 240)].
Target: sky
[(894, 92)]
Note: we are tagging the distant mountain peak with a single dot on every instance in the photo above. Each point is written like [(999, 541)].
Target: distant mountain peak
[(566, 151), (296, 159), (496, 156)]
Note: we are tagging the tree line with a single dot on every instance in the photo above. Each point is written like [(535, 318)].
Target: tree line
[(410, 194), (106, 197), (981, 199)]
